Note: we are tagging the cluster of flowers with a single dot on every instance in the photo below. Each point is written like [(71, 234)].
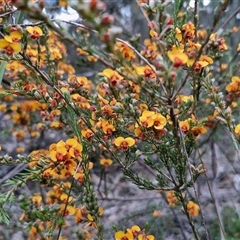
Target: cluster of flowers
[(135, 106)]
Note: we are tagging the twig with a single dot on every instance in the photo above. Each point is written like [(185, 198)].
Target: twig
[(230, 18), (213, 198), (196, 18), (8, 13), (128, 199)]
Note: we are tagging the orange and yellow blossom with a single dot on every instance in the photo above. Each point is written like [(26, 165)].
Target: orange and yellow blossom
[(191, 51), (193, 208), (106, 162), (184, 126), (237, 129), (145, 237), (56, 125), (201, 33), (65, 198), (238, 48), (153, 33), (106, 127), (9, 48), (53, 195), (120, 235), (126, 51), (139, 132), (35, 32), (188, 31), (135, 88), (147, 118), (178, 34), (15, 67), (58, 151), (197, 130), (171, 198), (55, 53), (14, 37), (79, 176), (19, 134), (159, 121), (134, 230), (87, 133), (183, 98), (146, 71), (177, 56), (81, 101), (124, 143), (80, 82), (69, 210), (157, 213), (113, 77), (219, 42), (151, 50), (203, 62), (234, 85), (20, 149), (75, 148), (36, 199), (78, 215), (68, 168), (150, 118)]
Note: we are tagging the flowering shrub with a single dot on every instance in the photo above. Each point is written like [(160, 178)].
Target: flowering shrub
[(153, 99)]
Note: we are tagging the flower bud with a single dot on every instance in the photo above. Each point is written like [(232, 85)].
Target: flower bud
[(107, 19)]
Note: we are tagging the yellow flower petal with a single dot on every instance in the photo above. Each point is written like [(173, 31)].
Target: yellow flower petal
[(130, 141), (118, 141), (3, 43)]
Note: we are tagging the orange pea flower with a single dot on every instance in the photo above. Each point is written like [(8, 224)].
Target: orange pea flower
[(106, 162), (183, 98), (150, 118), (35, 32), (78, 216), (70, 210), (58, 152), (145, 237), (36, 199), (9, 48), (134, 230), (106, 126), (146, 71), (126, 52), (113, 76), (178, 34), (198, 130), (64, 197), (177, 56), (237, 129), (14, 37), (234, 85), (171, 198), (87, 133), (188, 30), (159, 121), (193, 208), (138, 131), (124, 143), (120, 235), (75, 148), (203, 62), (147, 118), (185, 126)]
